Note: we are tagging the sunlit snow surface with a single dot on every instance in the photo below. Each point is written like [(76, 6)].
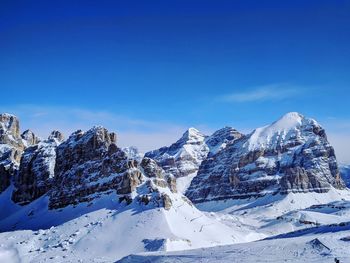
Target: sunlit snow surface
[(298, 227), (306, 227), (108, 231)]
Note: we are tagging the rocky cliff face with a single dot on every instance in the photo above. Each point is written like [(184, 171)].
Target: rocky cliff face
[(185, 156), (12, 145), (36, 170), (80, 169), (86, 163), (89, 164), (290, 155)]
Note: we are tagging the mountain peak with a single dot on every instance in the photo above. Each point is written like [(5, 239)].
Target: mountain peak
[(7, 115), (9, 123), (278, 130), (193, 135), (288, 120)]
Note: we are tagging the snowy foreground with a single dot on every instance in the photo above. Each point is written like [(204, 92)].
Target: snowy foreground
[(314, 246), (294, 228)]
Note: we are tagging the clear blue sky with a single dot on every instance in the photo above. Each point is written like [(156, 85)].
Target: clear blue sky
[(139, 66)]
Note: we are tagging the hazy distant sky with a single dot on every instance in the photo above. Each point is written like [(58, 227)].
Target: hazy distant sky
[(150, 69)]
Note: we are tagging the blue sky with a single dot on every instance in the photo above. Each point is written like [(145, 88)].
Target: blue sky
[(150, 69)]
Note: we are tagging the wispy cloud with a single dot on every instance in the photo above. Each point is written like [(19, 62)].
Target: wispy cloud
[(262, 93)]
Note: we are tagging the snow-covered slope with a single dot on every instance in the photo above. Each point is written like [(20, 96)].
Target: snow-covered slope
[(87, 195), (290, 155), (297, 227), (314, 248), (86, 200), (109, 228)]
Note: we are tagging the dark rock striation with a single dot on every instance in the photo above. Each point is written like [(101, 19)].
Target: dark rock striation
[(185, 156), (87, 163), (11, 148), (90, 164), (291, 155), (36, 170)]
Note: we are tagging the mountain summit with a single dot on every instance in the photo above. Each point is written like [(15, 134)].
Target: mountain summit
[(84, 193), (290, 155)]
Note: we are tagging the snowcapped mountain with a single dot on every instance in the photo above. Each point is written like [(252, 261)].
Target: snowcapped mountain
[(84, 199), (12, 145), (183, 158), (110, 227), (85, 189), (290, 155)]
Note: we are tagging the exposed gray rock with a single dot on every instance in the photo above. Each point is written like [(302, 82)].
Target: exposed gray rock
[(167, 203), (36, 172), (171, 180), (29, 138), (83, 168), (11, 148), (88, 164), (9, 126), (131, 179), (161, 178), (56, 135), (185, 156), (291, 155), (151, 168)]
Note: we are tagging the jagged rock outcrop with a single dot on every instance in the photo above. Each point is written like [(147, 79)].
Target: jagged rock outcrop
[(11, 148), (87, 163), (84, 167), (10, 135), (9, 128), (36, 170), (185, 156), (221, 138), (56, 135), (158, 175), (29, 138), (291, 155), (130, 180)]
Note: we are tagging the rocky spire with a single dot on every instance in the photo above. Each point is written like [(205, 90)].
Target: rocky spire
[(29, 138), (11, 148), (56, 135)]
